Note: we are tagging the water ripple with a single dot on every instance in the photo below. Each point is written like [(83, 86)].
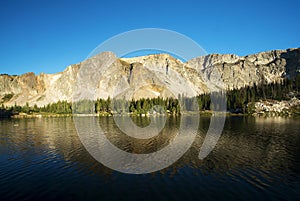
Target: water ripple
[(255, 159)]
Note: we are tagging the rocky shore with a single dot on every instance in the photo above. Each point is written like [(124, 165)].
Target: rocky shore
[(276, 108)]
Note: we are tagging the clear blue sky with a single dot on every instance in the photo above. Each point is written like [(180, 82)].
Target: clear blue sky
[(48, 35)]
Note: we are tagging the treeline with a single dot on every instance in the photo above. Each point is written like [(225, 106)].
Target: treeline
[(60, 107), (236, 101), (122, 106), (104, 106)]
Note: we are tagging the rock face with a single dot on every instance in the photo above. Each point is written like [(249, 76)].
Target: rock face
[(237, 72), (150, 76), (38, 89)]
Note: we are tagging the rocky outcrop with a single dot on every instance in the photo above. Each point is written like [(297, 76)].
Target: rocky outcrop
[(276, 108), (150, 76)]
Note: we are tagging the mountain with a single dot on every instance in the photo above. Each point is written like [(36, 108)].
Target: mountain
[(150, 76)]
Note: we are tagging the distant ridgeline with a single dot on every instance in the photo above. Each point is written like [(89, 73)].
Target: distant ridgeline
[(151, 76), (238, 101), (266, 82)]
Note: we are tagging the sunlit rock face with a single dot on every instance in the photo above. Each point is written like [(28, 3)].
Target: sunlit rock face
[(151, 76), (233, 71)]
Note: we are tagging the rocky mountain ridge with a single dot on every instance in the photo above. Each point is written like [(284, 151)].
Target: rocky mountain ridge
[(151, 76)]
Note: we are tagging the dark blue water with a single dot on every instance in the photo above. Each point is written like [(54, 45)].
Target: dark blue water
[(255, 159)]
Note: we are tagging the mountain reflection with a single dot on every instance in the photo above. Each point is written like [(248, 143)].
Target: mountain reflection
[(272, 145)]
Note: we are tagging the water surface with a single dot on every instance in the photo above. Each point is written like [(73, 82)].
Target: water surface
[(255, 159)]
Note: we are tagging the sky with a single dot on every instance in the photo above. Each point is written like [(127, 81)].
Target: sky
[(48, 35)]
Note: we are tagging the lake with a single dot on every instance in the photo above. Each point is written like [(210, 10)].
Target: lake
[(254, 159)]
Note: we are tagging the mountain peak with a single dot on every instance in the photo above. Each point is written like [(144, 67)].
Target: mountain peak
[(152, 75)]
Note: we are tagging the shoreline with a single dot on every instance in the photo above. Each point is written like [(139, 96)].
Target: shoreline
[(203, 113)]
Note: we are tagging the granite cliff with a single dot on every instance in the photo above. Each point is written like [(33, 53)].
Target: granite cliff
[(152, 76)]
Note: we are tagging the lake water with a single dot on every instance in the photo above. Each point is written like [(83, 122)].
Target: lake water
[(254, 159)]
